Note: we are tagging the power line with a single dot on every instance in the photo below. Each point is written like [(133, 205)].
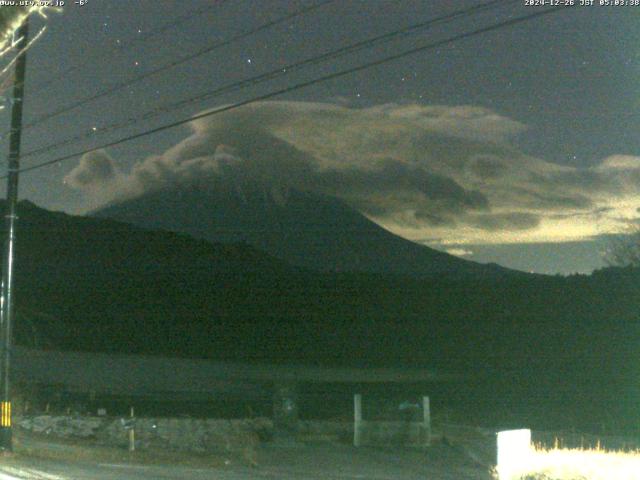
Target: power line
[(134, 41), (298, 86), (273, 74), (173, 64)]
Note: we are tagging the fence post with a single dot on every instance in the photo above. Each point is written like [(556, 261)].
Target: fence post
[(285, 412), (357, 419), (426, 415), (132, 434)]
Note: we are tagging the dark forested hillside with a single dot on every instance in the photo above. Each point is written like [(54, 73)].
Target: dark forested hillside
[(100, 285)]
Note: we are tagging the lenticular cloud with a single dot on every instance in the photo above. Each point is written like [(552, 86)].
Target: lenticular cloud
[(420, 171)]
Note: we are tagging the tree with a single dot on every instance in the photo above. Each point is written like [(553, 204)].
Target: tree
[(624, 249)]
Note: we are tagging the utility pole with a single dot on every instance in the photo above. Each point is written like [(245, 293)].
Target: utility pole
[(6, 298)]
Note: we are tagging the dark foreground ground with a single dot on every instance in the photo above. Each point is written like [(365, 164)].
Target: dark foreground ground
[(314, 461)]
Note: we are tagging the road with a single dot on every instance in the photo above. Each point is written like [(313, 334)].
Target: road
[(317, 462)]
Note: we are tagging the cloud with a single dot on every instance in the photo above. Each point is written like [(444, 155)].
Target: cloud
[(393, 185), (486, 167), (620, 162), (470, 122), (98, 177), (459, 252), (511, 221), (447, 173), (95, 169)]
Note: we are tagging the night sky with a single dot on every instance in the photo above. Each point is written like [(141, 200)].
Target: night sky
[(517, 146)]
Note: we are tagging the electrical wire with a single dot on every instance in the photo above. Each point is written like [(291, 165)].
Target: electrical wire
[(132, 42), (273, 74), (166, 67), (298, 86)]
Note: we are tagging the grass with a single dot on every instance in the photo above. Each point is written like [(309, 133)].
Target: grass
[(578, 464), (82, 451)]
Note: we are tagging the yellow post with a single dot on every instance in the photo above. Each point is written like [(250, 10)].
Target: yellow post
[(5, 414)]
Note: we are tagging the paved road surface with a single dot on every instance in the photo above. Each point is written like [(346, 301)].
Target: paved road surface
[(318, 462)]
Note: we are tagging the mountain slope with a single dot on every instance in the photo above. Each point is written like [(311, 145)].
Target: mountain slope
[(96, 284), (542, 345), (303, 229)]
